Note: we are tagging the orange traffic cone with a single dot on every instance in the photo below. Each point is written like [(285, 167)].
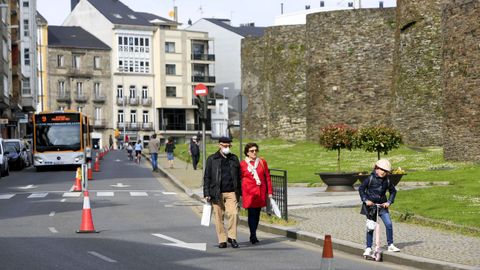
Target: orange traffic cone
[(87, 221), (327, 256), (96, 165), (89, 170), (77, 187)]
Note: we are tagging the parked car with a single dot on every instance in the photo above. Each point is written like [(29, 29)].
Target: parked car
[(15, 157), (4, 168), (24, 150)]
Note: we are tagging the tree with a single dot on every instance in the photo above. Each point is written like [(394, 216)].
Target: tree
[(380, 139), (337, 137)]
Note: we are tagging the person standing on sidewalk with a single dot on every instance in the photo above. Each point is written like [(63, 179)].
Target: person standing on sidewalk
[(194, 150), (221, 186), (373, 191), (256, 183), (169, 148), (153, 146)]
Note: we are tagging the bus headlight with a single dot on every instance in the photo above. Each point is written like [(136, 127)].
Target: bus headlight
[(39, 159), (79, 158)]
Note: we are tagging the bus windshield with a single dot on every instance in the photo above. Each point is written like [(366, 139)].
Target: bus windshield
[(57, 136)]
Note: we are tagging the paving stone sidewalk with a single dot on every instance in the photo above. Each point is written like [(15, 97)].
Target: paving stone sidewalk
[(337, 214)]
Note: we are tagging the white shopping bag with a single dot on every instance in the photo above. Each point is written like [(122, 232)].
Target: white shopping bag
[(275, 208), (207, 214)]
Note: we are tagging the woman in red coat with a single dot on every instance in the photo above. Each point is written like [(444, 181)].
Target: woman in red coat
[(256, 183)]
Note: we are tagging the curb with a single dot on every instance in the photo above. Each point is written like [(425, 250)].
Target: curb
[(338, 244)]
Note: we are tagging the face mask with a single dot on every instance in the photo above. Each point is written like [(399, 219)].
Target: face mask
[(226, 150)]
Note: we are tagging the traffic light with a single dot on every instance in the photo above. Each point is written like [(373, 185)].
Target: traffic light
[(201, 108), (116, 133)]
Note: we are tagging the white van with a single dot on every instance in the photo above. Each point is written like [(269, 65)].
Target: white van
[(4, 169)]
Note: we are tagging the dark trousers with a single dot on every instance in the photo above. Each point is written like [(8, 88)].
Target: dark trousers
[(253, 219), (195, 159)]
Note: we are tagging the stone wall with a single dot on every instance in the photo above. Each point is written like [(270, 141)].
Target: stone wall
[(349, 67), (273, 80), (461, 73), (417, 86)]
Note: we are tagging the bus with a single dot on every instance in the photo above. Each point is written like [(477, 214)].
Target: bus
[(60, 138)]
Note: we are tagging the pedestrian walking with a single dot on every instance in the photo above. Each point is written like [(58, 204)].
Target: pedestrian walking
[(221, 186), (373, 191), (110, 142), (153, 146), (194, 151), (138, 151), (256, 184), (169, 148)]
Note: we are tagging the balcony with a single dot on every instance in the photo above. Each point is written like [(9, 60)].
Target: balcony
[(121, 125), (81, 98), (147, 101), (28, 103), (204, 79), (133, 101), (134, 125), (147, 126), (203, 57), (64, 97), (99, 98), (120, 101), (99, 123)]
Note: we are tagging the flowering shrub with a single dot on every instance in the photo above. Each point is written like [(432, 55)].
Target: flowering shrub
[(380, 139), (337, 137)]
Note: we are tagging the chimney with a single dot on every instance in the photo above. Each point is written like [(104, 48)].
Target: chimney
[(73, 4)]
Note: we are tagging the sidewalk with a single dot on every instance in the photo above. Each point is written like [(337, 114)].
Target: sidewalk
[(318, 213)]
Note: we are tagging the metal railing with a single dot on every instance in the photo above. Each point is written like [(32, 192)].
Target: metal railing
[(81, 98), (203, 57), (99, 99), (133, 101), (279, 188), (63, 97), (206, 79), (147, 101)]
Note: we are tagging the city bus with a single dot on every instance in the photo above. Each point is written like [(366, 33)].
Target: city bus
[(60, 138)]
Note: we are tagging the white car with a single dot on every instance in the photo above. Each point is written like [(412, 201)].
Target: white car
[(4, 169)]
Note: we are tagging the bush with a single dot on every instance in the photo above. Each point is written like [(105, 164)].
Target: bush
[(380, 139), (337, 137)]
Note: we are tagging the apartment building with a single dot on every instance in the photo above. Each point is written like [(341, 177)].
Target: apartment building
[(79, 77), (153, 68), (5, 67)]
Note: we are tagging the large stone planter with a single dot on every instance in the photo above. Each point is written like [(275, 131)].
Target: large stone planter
[(339, 181)]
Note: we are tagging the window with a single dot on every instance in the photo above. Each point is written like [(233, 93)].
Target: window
[(5, 86), (322, 3), (169, 47), (4, 14), (61, 88), (171, 91), (133, 91), (26, 31), (96, 89), (26, 87), (61, 108), (96, 62), (60, 60), (145, 117), (133, 116), (5, 49), (25, 4), (170, 69), (132, 16), (350, 4), (76, 62), (120, 117), (144, 92), (79, 109), (26, 56), (80, 89), (119, 91), (133, 53), (98, 113)]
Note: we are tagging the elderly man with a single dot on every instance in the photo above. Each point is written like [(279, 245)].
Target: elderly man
[(153, 146), (221, 186)]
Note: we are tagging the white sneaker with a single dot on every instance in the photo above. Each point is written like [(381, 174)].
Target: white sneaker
[(393, 248), (368, 252)]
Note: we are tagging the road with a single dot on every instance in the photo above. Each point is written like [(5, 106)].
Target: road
[(143, 222)]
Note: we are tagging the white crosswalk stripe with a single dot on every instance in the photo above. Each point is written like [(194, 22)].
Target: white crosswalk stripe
[(105, 194), (72, 194), (6, 196), (138, 194), (37, 195)]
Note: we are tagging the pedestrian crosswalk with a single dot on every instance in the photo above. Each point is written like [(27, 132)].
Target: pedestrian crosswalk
[(37, 195)]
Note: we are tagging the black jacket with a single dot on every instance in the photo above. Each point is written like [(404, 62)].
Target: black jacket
[(375, 189), (213, 174)]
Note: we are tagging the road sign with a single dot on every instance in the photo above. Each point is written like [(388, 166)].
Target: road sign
[(201, 90)]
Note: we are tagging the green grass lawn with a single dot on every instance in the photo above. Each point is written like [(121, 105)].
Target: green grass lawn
[(457, 203)]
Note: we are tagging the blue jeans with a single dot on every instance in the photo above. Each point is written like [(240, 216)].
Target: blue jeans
[(389, 230), (154, 157)]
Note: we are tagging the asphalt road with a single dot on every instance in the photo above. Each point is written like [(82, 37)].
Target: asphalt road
[(143, 222)]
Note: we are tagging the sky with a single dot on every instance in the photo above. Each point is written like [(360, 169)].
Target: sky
[(261, 12)]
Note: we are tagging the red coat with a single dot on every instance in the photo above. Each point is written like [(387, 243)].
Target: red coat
[(254, 196)]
